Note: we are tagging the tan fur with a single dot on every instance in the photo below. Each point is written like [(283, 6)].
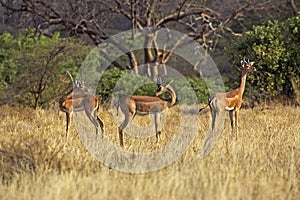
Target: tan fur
[(231, 100), (78, 99), (145, 105)]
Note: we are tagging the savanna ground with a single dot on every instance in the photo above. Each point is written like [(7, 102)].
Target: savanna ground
[(38, 163)]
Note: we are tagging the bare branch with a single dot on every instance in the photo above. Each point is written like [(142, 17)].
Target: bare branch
[(204, 24)]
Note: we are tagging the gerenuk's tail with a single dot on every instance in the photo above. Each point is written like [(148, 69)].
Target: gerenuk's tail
[(209, 101)]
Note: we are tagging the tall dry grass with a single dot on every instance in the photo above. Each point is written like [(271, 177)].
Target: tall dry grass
[(264, 163)]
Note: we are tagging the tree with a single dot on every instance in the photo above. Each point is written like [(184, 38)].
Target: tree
[(274, 47), (98, 21), (31, 66)]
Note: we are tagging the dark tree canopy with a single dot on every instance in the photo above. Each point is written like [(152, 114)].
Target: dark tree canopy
[(203, 21)]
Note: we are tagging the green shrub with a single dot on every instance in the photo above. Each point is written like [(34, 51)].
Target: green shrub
[(120, 82), (32, 69), (275, 49)]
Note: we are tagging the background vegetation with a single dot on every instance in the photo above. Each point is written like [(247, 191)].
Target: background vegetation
[(33, 68), (34, 56), (277, 58)]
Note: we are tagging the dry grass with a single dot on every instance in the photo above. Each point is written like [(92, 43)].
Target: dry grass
[(264, 163)]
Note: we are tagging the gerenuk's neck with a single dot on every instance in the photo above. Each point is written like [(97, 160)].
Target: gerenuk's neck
[(242, 83)]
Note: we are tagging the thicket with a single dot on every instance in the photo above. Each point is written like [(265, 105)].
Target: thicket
[(33, 67), (275, 49), (188, 89), (33, 72)]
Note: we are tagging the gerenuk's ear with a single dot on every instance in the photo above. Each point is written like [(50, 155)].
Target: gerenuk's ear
[(158, 81), (168, 83), (242, 63)]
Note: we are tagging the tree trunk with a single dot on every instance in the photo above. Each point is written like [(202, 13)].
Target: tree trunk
[(296, 89)]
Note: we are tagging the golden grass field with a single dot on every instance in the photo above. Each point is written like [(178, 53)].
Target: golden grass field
[(38, 163)]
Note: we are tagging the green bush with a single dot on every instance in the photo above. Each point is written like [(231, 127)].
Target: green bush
[(32, 69), (120, 82), (275, 49)]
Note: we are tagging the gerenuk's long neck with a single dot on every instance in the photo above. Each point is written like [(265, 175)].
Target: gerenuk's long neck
[(243, 83), (173, 96)]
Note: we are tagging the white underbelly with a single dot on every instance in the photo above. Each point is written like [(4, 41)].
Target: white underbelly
[(147, 113), (229, 108)]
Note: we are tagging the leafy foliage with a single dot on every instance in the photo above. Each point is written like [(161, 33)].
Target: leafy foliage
[(119, 82), (7, 64), (32, 72), (31, 66), (275, 49)]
